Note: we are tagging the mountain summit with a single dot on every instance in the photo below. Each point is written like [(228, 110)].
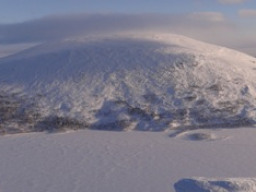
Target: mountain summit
[(137, 81)]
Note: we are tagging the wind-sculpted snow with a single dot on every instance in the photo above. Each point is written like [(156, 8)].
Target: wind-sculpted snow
[(216, 185), (141, 82)]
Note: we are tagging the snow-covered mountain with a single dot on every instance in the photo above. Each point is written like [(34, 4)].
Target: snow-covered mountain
[(126, 81)]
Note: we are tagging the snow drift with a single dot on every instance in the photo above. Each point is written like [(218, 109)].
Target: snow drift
[(216, 185), (137, 81)]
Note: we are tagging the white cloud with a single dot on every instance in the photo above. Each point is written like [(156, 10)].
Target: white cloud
[(210, 16), (211, 27), (247, 13), (58, 27), (232, 1), (6, 50)]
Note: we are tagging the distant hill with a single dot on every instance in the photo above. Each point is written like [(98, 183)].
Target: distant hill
[(149, 82)]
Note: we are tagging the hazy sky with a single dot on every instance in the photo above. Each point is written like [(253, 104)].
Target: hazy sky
[(231, 23), (21, 10)]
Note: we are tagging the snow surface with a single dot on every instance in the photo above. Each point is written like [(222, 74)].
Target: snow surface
[(107, 161), (128, 81), (216, 185), (146, 82)]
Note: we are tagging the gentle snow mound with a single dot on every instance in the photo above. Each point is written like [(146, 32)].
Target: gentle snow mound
[(216, 185), (196, 136)]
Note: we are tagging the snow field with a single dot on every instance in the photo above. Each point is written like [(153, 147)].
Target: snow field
[(135, 161)]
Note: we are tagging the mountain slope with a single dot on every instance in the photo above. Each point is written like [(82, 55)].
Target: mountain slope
[(138, 81)]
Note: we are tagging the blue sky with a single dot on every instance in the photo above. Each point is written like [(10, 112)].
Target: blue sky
[(231, 23)]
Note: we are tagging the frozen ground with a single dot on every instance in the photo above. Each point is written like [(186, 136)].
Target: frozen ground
[(106, 161)]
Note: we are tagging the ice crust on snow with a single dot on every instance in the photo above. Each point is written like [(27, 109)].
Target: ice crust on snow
[(148, 82), (216, 185)]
